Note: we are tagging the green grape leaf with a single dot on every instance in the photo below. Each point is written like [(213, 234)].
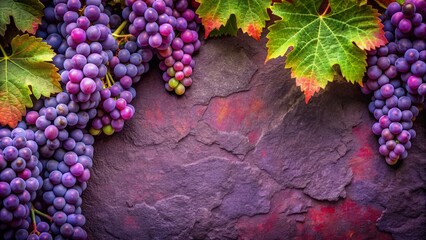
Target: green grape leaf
[(251, 15), (26, 14), (27, 70), (317, 40), (230, 29)]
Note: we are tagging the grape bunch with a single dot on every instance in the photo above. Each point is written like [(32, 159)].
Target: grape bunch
[(170, 28), (57, 127), (20, 178), (85, 66), (396, 78), (126, 66)]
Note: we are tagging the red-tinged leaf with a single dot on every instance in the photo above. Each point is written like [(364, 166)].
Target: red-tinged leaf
[(26, 14), (308, 85), (315, 43), (26, 71), (251, 15)]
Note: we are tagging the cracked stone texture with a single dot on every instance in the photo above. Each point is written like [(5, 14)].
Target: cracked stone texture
[(241, 156)]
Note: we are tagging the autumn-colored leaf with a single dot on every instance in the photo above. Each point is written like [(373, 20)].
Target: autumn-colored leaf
[(315, 43), (251, 15), (26, 14), (26, 67)]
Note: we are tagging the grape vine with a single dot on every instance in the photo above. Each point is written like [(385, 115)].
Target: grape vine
[(82, 59)]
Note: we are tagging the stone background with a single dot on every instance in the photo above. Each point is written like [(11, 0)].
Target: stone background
[(241, 156)]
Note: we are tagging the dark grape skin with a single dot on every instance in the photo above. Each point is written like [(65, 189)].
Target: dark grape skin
[(408, 10)]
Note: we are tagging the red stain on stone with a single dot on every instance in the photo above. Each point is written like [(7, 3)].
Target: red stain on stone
[(129, 222), (264, 153), (273, 224), (254, 135), (165, 115), (294, 213), (345, 219), (154, 114), (362, 163), (235, 113), (184, 121)]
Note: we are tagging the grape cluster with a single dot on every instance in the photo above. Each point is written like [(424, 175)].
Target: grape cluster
[(20, 178), (58, 136), (126, 67), (396, 76), (170, 28), (85, 65)]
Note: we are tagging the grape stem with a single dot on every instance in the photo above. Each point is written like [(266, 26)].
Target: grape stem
[(108, 80), (120, 28), (35, 231), (326, 9), (41, 214)]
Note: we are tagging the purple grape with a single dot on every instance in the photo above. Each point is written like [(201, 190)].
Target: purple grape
[(418, 68), (404, 25), (414, 82), (51, 132), (408, 9), (395, 114), (403, 45), (402, 65), (151, 28), (151, 14), (387, 90), (155, 40), (384, 63)]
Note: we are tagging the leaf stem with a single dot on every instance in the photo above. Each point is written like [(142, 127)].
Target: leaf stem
[(326, 9), (3, 51)]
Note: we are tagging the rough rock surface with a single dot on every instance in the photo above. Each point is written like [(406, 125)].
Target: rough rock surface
[(241, 156)]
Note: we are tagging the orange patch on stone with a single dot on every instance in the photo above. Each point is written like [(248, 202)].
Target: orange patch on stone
[(234, 114)]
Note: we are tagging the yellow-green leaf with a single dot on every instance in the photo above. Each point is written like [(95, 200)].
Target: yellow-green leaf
[(26, 71), (26, 14), (251, 15), (321, 39)]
